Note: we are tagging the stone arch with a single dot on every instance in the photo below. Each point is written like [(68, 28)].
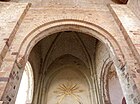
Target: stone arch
[(71, 25), (93, 30), (104, 81), (64, 58)]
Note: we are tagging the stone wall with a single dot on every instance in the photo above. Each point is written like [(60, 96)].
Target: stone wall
[(135, 7), (109, 25), (11, 15), (115, 90), (67, 3)]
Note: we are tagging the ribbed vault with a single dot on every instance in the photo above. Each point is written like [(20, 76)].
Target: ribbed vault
[(59, 50), (67, 67)]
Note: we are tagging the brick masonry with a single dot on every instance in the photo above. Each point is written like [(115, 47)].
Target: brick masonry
[(20, 27)]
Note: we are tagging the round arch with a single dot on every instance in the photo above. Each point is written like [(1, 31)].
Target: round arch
[(105, 83), (46, 29), (39, 33)]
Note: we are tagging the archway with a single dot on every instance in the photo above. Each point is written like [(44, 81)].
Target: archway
[(46, 29), (77, 44), (29, 41), (110, 86), (111, 90)]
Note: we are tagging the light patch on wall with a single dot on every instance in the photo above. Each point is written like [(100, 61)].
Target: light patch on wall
[(25, 92), (115, 90)]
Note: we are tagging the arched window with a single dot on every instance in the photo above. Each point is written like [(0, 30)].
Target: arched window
[(25, 93)]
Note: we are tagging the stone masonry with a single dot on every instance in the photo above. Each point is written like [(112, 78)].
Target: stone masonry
[(23, 25)]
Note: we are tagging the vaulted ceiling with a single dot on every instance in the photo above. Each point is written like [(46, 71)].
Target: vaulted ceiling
[(73, 43)]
